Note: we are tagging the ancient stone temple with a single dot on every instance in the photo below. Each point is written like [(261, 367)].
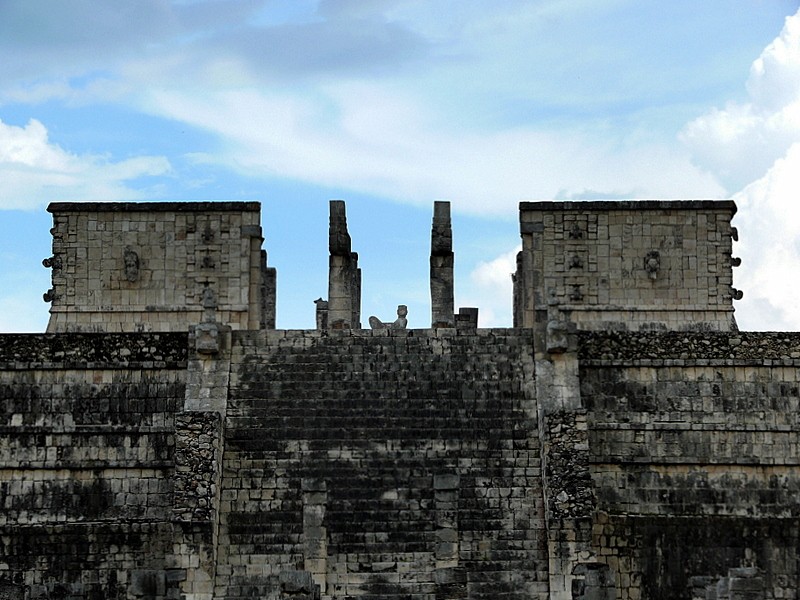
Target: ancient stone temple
[(623, 440)]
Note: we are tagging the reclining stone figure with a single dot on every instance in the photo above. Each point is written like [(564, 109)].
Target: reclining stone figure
[(400, 323)]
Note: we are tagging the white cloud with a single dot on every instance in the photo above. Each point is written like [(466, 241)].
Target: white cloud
[(775, 75), (754, 146), (491, 289), (770, 248), (35, 171), (496, 273), (740, 142)]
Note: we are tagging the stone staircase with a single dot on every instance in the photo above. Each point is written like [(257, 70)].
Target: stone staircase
[(393, 464)]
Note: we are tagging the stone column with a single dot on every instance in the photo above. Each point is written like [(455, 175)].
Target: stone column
[(269, 281), (567, 483), (518, 281), (344, 276), (442, 303), (321, 313), (199, 447), (257, 293)]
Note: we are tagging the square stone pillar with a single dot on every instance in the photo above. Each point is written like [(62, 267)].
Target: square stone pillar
[(442, 303), (344, 276)]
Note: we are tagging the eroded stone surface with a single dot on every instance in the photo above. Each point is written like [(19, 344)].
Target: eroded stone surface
[(583, 457), (442, 302), (344, 276), (123, 266)]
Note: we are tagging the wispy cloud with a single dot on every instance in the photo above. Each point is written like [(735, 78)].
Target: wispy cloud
[(368, 139), (34, 171), (386, 98)]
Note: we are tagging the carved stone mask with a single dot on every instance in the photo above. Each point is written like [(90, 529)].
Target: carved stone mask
[(131, 260), (652, 263)]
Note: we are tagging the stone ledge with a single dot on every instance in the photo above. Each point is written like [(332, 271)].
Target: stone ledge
[(86, 430), (93, 350), (142, 308), (70, 207), (637, 308), (747, 461), (92, 366), (143, 525), (88, 465), (608, 205), (690, 362), (677, 348), (685, 425), (273, 335)]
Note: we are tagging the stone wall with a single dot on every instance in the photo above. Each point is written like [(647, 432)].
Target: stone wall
[(555, 461), (695, 452), (386, 464), (400, 463), (627, 265), (373, 464), (86, 456), (146, 266)]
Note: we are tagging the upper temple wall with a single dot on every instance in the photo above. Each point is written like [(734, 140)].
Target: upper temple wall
[(145, 266), (627, 265)]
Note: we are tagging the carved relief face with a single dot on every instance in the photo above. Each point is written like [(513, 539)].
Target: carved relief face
[(209, 299), (402, 310), (131, 260), (652, 263)]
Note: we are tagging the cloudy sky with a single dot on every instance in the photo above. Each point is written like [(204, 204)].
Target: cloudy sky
[(390, 105)]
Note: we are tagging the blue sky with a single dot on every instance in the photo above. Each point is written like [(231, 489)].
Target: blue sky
[(391, 105)]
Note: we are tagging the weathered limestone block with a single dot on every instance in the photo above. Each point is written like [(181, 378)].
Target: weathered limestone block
[(125, 266), (344, 276), (148, 583), (321, 312), (467, 318), (315, 534), (207, 338), (519, 289), (558, 326), (628, 265), (595, 582), (442, 300), (197, 454), (298, 585), (742, 583), (11, 591), (269, 285)]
